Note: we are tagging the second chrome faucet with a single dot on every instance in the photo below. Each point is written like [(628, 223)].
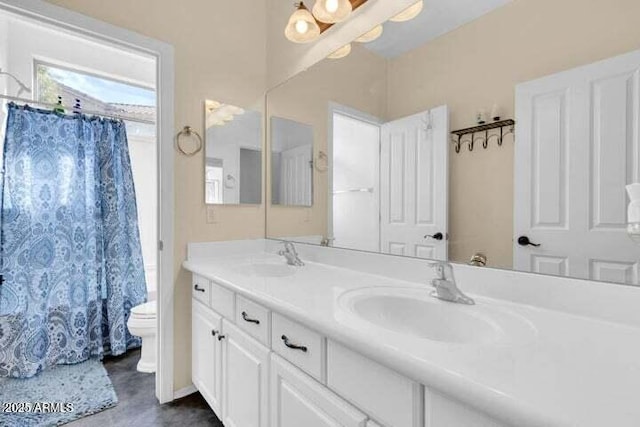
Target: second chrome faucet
[(445, 287), (290, 254)]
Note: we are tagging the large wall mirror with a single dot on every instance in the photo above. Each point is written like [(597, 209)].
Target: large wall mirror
[(479, 133), (233, 154)]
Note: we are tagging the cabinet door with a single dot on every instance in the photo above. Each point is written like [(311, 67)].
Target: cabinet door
[(245, 379), (298, 400), (206, 360)]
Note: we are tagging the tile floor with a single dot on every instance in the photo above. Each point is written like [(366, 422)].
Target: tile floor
[(137, 404)]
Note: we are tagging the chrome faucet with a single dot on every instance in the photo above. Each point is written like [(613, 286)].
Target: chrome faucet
[(445, 287), (290, 253)]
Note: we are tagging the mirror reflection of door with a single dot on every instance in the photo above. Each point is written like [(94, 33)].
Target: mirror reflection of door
[(291, 163), (214, 173), (389, 183), (414, 183)]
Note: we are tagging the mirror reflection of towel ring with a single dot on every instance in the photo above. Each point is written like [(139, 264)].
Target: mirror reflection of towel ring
[(187, 131), (230, 181), (322, 162)]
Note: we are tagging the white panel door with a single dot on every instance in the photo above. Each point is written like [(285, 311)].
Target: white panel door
[(577, 147), (245, 379), (295, 182), (206, 360), (414, 185), (298, 400), (355, 207)]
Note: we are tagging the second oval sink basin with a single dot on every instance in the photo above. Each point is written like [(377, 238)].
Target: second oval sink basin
[(413, 312)]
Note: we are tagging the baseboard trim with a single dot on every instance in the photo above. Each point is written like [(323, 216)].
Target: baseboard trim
[(186, 391)]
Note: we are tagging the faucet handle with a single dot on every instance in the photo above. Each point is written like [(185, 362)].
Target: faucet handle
[(289, 247), (441, 269)]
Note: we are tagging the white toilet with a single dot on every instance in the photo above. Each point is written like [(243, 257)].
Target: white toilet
[(142, 323)]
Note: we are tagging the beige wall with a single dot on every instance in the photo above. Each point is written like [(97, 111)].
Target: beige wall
[(220, 53), (357, 81), (478, 65)]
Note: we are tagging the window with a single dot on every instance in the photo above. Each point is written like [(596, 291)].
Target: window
[(98, 94)]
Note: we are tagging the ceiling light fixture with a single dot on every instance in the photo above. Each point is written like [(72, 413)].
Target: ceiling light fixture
[(332, 11), (409, 13), (371, 35), (302, 26), (341, 53)]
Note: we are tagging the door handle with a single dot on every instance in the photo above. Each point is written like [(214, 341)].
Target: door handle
[(198, 288), (221, 337), (214, 332), (524, 241), (246, 318), (286, 342), (437, 236)]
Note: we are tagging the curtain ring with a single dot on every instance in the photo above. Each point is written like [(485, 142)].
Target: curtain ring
[(187, 131)]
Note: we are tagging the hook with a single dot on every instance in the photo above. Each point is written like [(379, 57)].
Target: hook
[(457, 144)]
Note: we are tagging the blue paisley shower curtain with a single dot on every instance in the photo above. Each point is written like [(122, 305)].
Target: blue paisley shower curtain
[(70, 246)]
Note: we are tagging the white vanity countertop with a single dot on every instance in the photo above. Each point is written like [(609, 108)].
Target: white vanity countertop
[(571, 371)]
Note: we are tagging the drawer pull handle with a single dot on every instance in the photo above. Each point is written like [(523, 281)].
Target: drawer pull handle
[(221, 337), (293, 346), (246, 318), (198, 288)]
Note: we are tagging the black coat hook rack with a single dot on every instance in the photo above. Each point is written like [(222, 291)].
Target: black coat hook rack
[(485, 137)]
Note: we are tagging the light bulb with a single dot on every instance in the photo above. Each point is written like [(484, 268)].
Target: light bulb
[(331, 5), (371, 35), (341, 53), (332, 11), (409, 13), (302, 26)]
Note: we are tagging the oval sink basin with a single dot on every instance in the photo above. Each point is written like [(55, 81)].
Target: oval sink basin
[(267, 269), (413, 312)]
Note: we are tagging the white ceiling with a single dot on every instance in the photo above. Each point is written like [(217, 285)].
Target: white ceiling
[(437, 18)]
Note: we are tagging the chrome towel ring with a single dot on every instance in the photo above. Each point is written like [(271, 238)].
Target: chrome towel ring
[(188, 132)]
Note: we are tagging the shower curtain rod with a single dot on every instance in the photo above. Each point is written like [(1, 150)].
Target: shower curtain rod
[(72, 109)]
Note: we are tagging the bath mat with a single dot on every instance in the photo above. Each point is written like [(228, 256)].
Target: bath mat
[(56, 396)]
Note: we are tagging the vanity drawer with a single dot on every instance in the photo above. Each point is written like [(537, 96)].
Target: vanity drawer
[(201, 289), (254, 319), (223, 300), (310, 358), (385, 395)]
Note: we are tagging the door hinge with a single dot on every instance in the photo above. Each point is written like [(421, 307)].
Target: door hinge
[(160, 245)]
